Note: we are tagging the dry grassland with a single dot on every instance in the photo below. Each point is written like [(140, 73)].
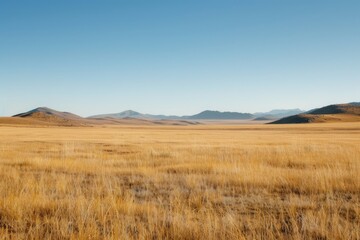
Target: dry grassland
[(199, 182)]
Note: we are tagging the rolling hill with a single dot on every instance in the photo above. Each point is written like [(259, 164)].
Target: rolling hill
[(349, 108), (51, 117), (332, 113)]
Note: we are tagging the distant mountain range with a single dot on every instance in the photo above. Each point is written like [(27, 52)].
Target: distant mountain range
[(205, 115), (133, 114), (333, 113), (48, 116)]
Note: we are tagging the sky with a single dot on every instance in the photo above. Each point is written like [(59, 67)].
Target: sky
[(178, 56)]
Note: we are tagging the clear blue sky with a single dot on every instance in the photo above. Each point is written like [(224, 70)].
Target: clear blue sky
[(178, 57)]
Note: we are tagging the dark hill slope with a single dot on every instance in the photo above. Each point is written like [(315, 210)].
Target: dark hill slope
[(338, 108), (331, 113)]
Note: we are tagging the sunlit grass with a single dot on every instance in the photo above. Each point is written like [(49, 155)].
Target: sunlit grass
[(204, 182)]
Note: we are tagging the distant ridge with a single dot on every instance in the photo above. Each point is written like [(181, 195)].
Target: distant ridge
[(44, 116), (279, 113), (209, 115), (332, 113), (205, 115), (264, 118), (134, 114)]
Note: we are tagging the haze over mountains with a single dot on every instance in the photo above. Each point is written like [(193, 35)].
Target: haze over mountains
[(134, 114), (45, 116), (205, 115), (279, 113)]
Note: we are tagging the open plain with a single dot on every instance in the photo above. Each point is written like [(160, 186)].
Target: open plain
[(180, 182)]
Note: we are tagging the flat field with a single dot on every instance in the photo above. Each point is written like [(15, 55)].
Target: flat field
[(180, 182)]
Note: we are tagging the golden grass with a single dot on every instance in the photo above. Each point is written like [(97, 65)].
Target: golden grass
[(203, 182)]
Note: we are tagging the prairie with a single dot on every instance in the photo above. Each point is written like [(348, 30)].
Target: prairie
[(180, 182)]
